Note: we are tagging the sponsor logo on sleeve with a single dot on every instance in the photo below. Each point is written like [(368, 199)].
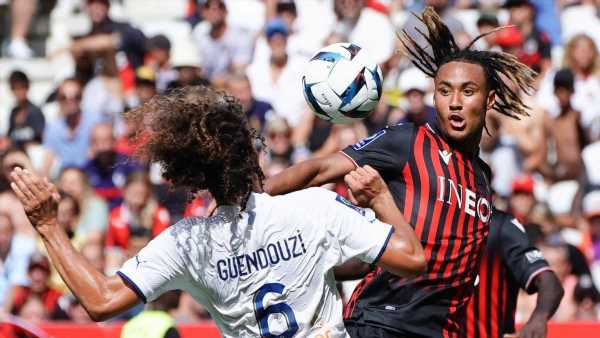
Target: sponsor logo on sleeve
[(534, 256), (365, 142)]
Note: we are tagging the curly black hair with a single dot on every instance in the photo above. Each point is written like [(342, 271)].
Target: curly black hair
[(442, 49), (201, 138)]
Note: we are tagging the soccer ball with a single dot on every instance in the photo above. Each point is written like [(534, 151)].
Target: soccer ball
[(341, 83)]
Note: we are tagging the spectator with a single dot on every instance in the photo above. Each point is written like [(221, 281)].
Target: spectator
[(187, 63), (69, 136), (278, 142), (27, 121), (138, 211), (486, 23), (536, 46), (94, 210), (257, 111), (38, 287), (564, 130), (105, 38), (522, 201), (15, 251), (155, 320), (414, 85), (558, 259), (356, 23), (22, 12), (586, 298), (159, 55), (278, 80), (107, 170), (222, 47)]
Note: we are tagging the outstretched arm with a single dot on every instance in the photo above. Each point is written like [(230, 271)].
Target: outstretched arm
[(101, 296), (550, 293), (311, 173)]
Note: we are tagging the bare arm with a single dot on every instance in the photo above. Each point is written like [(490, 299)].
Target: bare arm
[(101, 296), (550, 293), (314, 172), (351, 270), (404, 254)]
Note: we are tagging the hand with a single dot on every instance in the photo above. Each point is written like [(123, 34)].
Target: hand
[(367, 186), (535, 328), (39, 197)]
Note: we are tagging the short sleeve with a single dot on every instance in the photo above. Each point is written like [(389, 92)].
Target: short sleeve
[(354, 231), (157, 268), (387, 150), (524, 261)]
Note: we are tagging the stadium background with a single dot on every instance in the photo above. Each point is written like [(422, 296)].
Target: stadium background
[(546, 167)]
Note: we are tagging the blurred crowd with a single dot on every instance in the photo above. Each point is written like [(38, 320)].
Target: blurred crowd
[(546, 167)]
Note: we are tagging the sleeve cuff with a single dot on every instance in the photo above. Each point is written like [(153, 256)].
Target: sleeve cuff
[(131, 284), (350, 158), (533, 275), (385, 243)]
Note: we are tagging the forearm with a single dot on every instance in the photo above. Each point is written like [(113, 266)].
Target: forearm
[(550, 293), (90, 286), (406, 246), (311, 173), (351, 270)]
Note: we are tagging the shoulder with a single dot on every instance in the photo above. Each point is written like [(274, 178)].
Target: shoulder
[(400, 131), (485, 168)]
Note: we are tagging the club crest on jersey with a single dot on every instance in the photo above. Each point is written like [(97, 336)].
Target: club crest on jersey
[(467, 200), (445, 154), (364, 142)]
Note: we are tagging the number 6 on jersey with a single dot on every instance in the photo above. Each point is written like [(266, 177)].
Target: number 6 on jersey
[(262, 314)]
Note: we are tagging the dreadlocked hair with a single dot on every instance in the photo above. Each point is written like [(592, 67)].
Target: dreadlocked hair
[(496, 65), (201, 139)]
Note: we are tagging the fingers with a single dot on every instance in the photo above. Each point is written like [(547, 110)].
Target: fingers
[(21, 183), (20, 195)]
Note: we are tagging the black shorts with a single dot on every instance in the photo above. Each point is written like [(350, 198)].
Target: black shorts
[(363, 331)]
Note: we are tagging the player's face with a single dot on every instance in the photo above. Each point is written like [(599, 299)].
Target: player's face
[(461, 98)]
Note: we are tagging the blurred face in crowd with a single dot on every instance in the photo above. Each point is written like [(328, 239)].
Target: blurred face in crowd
[(97, 10), (279, 141), (348, 9), (461, 98), (38, 279), (136, 195), (240, 88), (278, 46), (102, 146), (160, 55), (557, 258), (19, 91), (416, 101), (186, 75), (214, 12), (69, 98), (6, 235), (564, 97), (15, 158), (490, 39), (94, 253), (520, 15), (521, 203), (145, 92), (583, 53), (67, 215), (72, 181)]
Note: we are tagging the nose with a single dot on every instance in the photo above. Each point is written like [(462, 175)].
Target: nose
[(456, 102)]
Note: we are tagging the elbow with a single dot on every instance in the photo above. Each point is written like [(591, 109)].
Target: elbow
[(99, 312), (418, 264)]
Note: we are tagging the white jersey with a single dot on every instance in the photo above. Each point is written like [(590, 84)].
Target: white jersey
[(268, 270)]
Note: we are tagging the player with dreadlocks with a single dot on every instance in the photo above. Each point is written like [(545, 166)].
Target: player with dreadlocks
[(260, 266), (437, 180)]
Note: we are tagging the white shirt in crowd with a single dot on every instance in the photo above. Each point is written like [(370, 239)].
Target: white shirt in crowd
[(265, 271)]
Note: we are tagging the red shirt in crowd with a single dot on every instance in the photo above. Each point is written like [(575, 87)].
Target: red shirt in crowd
[(118, 231)]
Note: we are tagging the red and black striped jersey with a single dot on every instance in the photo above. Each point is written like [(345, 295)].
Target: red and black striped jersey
[(510, 263), (444, 194)]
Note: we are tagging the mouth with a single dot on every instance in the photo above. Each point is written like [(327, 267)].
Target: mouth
[(457, 122)]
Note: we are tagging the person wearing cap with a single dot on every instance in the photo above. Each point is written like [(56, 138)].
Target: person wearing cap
[(278, 79), (187, 62), (536, 44), (565, 131), (414, 85), (146, 84), (158, 59), (522, 201), (223, 47), (38, 273)]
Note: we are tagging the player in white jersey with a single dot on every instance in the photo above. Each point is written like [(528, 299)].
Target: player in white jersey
[(262, 265)]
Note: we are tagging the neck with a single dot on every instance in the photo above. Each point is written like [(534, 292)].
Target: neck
[(73, 120), (217, 30), (527, 28), (279, 62)]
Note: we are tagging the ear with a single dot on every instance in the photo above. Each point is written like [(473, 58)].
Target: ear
[(491, 98)]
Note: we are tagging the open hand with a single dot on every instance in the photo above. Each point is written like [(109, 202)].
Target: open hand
[(38, 196), (366, 186)]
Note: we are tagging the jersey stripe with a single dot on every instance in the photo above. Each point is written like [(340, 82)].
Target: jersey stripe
[(423, 186), (409, 193)]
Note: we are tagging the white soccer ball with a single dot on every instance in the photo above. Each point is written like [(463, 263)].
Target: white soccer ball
[(342, 83)]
